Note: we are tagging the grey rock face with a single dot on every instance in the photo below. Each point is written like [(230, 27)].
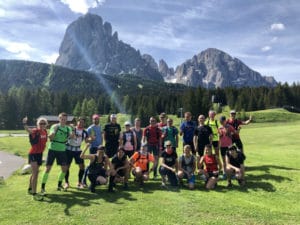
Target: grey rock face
[(214, 68), (89, 45), (164, 69)]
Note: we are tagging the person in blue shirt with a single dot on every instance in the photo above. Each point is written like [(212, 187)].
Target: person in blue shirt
[(187, 129)]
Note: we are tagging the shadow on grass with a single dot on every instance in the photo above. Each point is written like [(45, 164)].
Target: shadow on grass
[(85, 198), (151, 186), (259, 182)]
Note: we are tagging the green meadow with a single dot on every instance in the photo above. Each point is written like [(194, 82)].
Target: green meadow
[(271, 195)]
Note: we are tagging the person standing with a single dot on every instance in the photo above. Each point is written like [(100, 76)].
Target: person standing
[(203, 136), (112, 136), (187, 129), (38, 138), (138, 133), (74, 151), (226, 132), (170, 133), (59, 135), (163, 120), (152, 136), (95, 138), (236, 123), (128, 140), (214, 124)]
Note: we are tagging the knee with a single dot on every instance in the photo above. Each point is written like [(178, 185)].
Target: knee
[(180, 174), (101, 180)]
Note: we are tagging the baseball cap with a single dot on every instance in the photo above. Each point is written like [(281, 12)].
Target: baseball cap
[(232, 112), (96, 116), (113, 116), (127, 123)]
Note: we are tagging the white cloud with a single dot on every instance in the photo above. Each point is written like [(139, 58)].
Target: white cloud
[(274, 39), (19, 50), (23, 55), (82, 6), (50, 58), (266, 48), (277, 26)]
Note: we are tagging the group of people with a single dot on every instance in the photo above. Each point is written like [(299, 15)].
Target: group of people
[(114, 154)]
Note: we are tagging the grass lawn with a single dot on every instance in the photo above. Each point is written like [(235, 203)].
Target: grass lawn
[(271, 195)]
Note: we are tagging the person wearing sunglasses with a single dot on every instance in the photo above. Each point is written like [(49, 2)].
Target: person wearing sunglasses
[(38, 138)]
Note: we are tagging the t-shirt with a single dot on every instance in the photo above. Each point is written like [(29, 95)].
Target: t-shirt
[(153, 134), (187, 163), (170, 134), (203, 133), (96, 167), (238, 160), (61, 137), (138, 134), (142, 160), (39, 147), (112, 133), (214, 124), (128, 140), (169, 159), (118, 162), (211, 164), (95, 131), (188, 128), (235, 123), (225, 134), (81, 135)]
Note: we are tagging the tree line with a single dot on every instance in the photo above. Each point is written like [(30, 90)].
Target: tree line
[(18, 102)]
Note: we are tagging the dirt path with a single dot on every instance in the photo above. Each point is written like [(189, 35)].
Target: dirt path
[(9, 163)]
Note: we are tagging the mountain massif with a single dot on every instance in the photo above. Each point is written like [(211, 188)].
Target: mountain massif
[(90, 44)]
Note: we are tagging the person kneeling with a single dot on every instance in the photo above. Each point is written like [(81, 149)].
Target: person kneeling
[(211, 171), (140, 163), (169, 165), (120, 170), (235, 165), (187, 166), (98, 168)]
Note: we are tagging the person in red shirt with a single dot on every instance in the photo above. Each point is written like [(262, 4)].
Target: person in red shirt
[(212, 165), (226, 132), (163, 120), (236, 123), (152, 136), (38, 138)]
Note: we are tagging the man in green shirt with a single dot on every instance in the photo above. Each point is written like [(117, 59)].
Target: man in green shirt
[(59, 135), (214, 124)]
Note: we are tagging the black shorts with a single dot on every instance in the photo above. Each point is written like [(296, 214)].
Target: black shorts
[(60, 156), (75, 155), (238, 143), (101, 172), (153, 149), (201, 150), (224, 150), (212, 174), (215, 144), (121, 173), (111, 149), (35, 157), (93, 150), (129, 153)]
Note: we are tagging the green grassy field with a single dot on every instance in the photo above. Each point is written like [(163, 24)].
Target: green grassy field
[(271, 195)]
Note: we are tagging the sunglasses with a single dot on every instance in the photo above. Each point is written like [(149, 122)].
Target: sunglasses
[(168, 145), (42, 123)]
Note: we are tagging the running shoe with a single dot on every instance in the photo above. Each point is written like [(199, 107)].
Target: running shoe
[(61, 188), (43, 192), (66, 186)]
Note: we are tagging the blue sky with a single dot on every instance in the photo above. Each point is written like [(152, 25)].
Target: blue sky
[(264, 34)]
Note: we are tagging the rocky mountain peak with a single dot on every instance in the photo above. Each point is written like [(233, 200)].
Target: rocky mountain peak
[(89, 45), (164, 69)]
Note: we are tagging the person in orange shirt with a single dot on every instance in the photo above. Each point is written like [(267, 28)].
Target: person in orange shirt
[(140, 163)]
